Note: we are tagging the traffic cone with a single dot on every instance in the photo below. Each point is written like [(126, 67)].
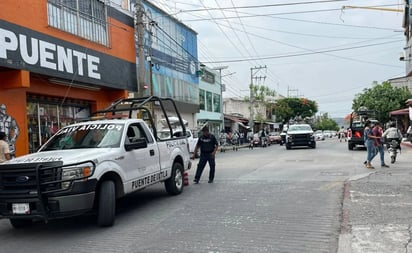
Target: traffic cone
[(185, 178)]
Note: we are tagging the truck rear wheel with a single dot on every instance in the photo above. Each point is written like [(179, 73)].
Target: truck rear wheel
[(106, 209), (19, 223), (174, 185)]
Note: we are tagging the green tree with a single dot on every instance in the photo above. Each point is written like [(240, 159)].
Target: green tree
[(289, 108), (382, 99), (325, 123), (262, 92), (265, 95)]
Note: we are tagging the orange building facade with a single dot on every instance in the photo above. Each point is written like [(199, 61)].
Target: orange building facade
[(59, 61)]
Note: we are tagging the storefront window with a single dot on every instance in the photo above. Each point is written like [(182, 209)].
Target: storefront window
[(202, 99), (209, 101), (216, 102), (45, 119)]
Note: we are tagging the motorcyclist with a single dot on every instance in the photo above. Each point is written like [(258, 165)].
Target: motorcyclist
[(263, 137), (392, 133)]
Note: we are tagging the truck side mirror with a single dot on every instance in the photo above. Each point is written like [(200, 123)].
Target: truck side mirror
[(136, 144)]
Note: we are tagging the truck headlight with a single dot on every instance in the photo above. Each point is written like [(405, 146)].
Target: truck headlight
[(81, 171)]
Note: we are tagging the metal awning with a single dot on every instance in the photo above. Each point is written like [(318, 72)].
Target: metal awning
[(404, 111), (236, 119)]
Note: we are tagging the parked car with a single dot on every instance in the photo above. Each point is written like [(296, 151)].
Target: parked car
[(274, 137), (319, 135), (327, 133), (300, 135)]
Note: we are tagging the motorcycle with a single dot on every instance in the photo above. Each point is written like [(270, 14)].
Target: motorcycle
[(393, 147)]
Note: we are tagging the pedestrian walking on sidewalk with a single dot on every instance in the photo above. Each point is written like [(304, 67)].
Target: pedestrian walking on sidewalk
[(208, 146), (341, 134), (4, 148), (377, 131), (369, 139)]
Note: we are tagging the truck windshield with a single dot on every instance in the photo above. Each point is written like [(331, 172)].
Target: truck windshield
[(357, 124), (86, 136), (300, 128)]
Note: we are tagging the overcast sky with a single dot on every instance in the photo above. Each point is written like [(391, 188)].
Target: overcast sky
[(312, 50)]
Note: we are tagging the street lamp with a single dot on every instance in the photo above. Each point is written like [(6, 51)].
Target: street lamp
[(220, 68)]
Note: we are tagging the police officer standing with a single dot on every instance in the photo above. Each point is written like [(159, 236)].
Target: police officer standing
[(208, 146)]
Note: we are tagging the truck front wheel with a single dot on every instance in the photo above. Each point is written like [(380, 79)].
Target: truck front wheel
[(106, 209), (19, 223), (174, 185)]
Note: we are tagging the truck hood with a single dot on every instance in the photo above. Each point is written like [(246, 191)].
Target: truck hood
[(66, 156), (300, 132)]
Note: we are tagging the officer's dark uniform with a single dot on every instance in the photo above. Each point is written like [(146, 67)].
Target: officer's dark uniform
[(207, 144)]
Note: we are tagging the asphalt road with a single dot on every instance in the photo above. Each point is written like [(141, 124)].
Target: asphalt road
[(263, 200)]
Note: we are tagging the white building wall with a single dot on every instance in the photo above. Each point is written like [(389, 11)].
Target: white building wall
[(242, 107)]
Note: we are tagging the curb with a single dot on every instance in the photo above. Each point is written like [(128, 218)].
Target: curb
[(345, 236), (230, 148), (360, 176)]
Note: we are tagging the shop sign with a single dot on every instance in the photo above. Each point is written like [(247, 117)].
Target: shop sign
[(22, 48), (208, 77), (48, 55)]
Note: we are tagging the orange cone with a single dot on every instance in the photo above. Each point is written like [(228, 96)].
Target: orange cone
[(185, 178)]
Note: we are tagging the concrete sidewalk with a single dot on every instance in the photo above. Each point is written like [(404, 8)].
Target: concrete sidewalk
[(377, 209)]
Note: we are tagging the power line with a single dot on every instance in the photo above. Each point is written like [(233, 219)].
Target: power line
[(234, 30), (302, 54), (263, 15), (230, 88), (305, 34), (276, 16), (317, 22), (250, 41), (227, 37), (260, 6), (237, 36), (311, 50), (287, 44), (334, 24)]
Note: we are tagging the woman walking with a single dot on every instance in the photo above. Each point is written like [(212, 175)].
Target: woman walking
[(369, 144)]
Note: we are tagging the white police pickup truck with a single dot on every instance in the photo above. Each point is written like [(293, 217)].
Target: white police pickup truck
[(85, 167)]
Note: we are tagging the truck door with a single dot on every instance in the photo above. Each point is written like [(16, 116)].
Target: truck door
[(142, 166)]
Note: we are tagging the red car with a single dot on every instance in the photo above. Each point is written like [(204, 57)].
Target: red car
[(274, 137)]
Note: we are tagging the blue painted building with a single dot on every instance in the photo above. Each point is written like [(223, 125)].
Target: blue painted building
[(173, 49)]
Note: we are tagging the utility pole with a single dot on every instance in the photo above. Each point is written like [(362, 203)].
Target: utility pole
[(293, 90), (253, 72), (139, 26), (149, 58)]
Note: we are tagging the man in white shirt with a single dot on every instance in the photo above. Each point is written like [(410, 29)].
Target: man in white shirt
[(392, 133), (4, 148)]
